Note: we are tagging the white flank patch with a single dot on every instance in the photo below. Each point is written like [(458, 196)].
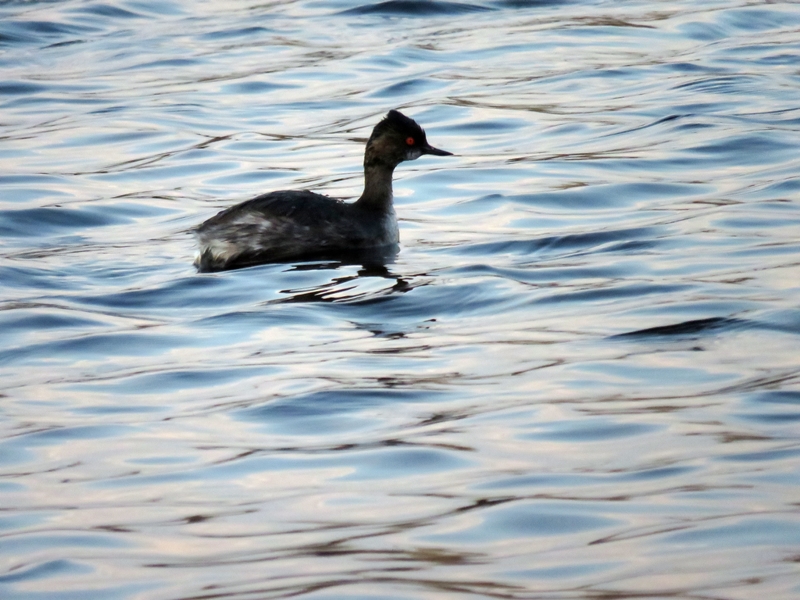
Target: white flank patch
[(220, 249)]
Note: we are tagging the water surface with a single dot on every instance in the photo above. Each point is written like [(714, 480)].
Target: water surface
[(578, 379)]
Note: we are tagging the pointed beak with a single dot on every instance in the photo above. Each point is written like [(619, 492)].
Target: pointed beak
[(428, 149)]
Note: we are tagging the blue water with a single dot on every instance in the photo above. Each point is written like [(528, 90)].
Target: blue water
[(579, 378)]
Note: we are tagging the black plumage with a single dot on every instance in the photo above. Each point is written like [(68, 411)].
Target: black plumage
[(286, 225)]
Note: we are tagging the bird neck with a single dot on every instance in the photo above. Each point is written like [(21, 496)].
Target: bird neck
[(377, 186)]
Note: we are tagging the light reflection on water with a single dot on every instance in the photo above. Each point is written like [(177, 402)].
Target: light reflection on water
[(577, 379)]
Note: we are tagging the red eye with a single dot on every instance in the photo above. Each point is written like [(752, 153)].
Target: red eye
[(410, 141)]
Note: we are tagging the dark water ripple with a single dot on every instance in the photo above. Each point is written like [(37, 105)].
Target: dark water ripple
[(415, 8), (577, 379)]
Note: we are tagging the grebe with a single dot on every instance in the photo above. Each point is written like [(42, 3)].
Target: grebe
[(287, 225)]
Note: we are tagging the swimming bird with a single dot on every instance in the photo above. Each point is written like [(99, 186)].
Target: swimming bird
[(299, 224)]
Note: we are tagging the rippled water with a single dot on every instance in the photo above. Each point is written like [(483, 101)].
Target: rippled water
[(579, 379)]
